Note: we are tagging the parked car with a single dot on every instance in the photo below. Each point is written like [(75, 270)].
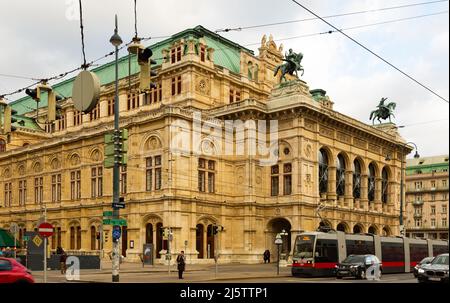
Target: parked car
[(357, 266), (12, 271), (419, 265), (436, 271)]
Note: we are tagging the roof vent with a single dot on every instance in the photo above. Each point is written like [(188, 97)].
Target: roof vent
[(318, 93)]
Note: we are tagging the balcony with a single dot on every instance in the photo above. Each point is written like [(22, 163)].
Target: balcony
[(418, 203), (417, 216)]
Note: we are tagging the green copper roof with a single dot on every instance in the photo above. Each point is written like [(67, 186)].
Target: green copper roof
[(427, 165), (227, 55)]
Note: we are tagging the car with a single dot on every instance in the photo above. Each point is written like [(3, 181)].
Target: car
[(12, 271), (425, 261), (436, 271), (357, 266)]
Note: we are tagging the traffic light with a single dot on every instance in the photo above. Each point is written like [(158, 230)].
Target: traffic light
[(105, 236), (145, 63), (9, 120), (53, 106), (116, 148), (215, 230)]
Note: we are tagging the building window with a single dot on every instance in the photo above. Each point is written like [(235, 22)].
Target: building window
[(384, 186), (206, 175), (323, 172), (444, 222), (418, 185), (56, 188), (132, 101), (356, 180), (175, 54), (418, 223), (433, 222), (340, 176), (372, 185), (444, 196), (123, 179), (22, 192), (2, 146), (38, 190), (274, 180), (75, 185), (433, 197), (153, 173), (444, 183), (96, 182), (176, 85), (433, 210), (95, 113), (155, 95), (287, 179), (433, 184), (444, 209), (62, 122), (8, 194), (235, 95), (111, 104), (77, 118), (202, 53)]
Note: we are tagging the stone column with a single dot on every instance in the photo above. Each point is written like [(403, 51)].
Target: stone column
[(103, 107), (123, 99), (363, 201), (378, 192), (332, 184), (69, 117), (349, 189)]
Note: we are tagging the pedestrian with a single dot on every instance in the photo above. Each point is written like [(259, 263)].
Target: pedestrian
[(7, 253), (181, 261), (266, 256), (62, 260)]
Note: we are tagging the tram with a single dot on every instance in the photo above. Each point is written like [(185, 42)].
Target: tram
[(317, 253)]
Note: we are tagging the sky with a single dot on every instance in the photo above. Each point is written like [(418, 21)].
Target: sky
[(42, 39)]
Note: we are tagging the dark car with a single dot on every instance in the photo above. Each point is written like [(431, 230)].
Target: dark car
[(419, 265), (357, 266), (436, 271), (12, 271)]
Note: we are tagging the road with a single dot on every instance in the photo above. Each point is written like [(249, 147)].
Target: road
[(229, 273)]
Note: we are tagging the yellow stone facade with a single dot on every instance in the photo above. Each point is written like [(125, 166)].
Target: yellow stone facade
[(242, 196)]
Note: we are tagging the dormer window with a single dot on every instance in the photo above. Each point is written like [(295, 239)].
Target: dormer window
[(202, 53), (175, 54)]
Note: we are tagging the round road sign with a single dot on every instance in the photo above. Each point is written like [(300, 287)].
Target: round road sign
[(86, 91), (45, 230)]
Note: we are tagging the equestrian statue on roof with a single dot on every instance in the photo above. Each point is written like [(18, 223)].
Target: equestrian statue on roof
[(384, 111), (292, 65)]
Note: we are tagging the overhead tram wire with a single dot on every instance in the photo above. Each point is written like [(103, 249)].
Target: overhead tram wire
[(372, 52), (62, 75), (329, 16), (84, 66)]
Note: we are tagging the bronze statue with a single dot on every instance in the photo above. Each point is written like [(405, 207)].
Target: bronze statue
[(292, 65), (383, 112)]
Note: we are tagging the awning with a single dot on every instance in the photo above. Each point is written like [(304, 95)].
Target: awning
[(6, 239)]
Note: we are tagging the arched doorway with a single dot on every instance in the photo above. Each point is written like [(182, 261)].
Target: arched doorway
[(149, 233), (161, 244), (357, 229), (277, 226), (93, 238), (342, 227), (124, 241), (210, 242), (199, 230), (386, 231)]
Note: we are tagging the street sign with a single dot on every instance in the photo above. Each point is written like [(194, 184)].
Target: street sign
[(45, 230), (26, 238), (117, 222), (107, 214), (14, 228), (116, 233), (118, 205)]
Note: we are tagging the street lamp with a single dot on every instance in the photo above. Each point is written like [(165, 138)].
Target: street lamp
[(416, 156), (116, 41), (278, 243)]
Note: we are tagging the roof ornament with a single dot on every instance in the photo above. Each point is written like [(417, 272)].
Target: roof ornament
[(383, 111), (292, 65)]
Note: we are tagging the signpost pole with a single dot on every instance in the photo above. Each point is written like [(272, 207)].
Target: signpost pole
[(45, 247)]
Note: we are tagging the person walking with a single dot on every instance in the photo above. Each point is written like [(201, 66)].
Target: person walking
[(181, 261), (62, 259), (266, 256)]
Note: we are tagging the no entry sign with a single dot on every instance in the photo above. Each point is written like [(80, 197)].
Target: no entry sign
[(45, 229)]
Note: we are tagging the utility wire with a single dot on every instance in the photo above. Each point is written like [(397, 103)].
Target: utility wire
[(135, 19), (85, 66), (372, 52), (329, 16)]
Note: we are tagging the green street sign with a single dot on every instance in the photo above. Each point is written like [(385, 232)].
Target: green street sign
[(109, 161), (107, 214), (118, 222), (26, 238)]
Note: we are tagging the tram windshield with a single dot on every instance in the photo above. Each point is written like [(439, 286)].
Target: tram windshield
[(304, 247)]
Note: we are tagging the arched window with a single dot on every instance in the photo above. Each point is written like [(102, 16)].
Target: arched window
[(342, 227), (149, 233), (72, 237), (385, 186), (323, 171), (356, 179), (2, 146), (256, 72), (340, 176), (357, 229), (78, 237), (250, 70), (372, 184)]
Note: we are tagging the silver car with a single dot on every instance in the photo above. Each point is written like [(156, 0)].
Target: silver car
[(436, 271)]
